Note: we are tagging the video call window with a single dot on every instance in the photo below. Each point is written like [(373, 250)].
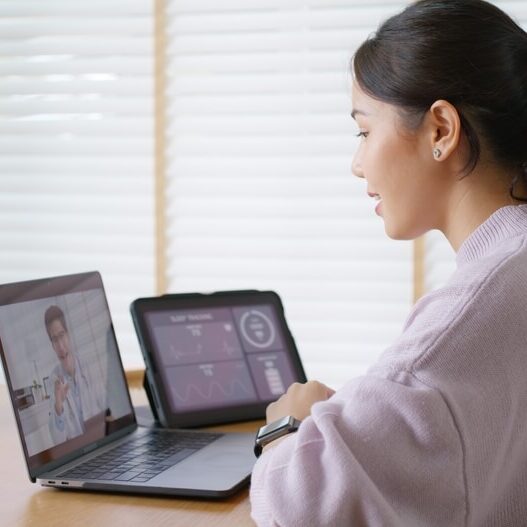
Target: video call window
[(64, 370)]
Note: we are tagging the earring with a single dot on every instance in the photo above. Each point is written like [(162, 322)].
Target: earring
[(437, 153)]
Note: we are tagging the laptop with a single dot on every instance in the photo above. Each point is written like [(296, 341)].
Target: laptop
[(73, 410)]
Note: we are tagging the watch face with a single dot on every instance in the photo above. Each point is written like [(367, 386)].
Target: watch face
[(275, 425), (273, 431)]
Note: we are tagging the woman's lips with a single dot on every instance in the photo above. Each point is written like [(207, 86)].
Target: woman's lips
[(378, 207)]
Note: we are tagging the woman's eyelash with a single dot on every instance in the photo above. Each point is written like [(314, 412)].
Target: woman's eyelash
[(362, 134)]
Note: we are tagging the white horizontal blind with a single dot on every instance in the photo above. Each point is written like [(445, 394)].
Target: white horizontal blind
[(440, 260), (76, 147), (260, 190)]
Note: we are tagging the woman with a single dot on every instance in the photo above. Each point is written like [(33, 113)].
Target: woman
[(436, 432)]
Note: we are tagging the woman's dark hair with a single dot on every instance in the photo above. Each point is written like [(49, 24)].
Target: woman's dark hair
[(467, 52)]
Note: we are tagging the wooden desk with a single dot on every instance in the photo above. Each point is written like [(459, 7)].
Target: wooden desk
[(23, 503)]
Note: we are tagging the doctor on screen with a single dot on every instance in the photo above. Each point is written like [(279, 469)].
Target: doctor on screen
[(74, 395)]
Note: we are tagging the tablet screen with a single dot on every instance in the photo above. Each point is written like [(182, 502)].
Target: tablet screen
[(221, 356), (215, 358)]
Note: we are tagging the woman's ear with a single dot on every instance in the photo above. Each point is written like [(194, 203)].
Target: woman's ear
[(445, 129)]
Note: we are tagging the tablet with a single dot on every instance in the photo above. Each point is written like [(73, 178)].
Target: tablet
[(215, 358)]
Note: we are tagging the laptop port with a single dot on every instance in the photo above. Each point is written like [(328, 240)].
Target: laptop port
[(64, 482)]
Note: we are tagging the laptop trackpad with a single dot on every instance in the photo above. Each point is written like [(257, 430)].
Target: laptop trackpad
[(224, 461)]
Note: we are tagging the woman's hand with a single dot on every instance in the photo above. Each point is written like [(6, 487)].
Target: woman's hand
[(298, 400)]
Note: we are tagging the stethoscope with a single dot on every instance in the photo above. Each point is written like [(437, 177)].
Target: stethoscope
[(76, 386)]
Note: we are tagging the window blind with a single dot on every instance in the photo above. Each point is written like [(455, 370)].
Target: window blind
[(76, 147), (259, 189), (440, 260), (259, 186)]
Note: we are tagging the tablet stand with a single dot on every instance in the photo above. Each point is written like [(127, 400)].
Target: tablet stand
[(146, 386)]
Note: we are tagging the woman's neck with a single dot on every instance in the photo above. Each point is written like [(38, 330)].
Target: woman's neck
[(474, 199)]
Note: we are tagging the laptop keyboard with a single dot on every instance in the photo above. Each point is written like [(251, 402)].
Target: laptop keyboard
[(142, 459)]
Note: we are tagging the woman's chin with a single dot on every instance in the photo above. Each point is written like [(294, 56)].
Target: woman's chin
[(401, 232)]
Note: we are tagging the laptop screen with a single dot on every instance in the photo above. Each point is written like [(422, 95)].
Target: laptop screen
[(62, 366)]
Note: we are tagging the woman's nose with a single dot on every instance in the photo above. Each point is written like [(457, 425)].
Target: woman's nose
[(356, 168)]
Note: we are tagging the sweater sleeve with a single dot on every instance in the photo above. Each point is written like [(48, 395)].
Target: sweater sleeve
[(381, 451)]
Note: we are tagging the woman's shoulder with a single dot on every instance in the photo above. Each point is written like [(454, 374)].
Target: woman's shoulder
[(482, 302)]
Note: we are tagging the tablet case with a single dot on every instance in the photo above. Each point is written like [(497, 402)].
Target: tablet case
[(148, 378)]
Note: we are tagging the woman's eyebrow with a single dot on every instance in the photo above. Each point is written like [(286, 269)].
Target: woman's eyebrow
[(355, 112)]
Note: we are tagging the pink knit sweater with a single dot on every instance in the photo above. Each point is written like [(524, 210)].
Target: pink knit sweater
[(435, 434)]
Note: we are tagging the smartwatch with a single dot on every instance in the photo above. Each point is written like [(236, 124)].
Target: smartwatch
[(273, 431)]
